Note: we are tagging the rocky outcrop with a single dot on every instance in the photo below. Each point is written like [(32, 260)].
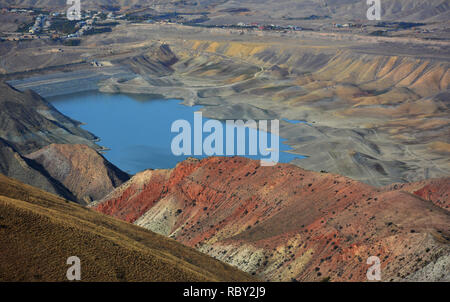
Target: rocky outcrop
[(157, 60), (286, 223), (87, 174)]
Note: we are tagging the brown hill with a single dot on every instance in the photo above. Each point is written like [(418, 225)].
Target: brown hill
[(28, 122), (434, 190), (283, 223), (29, 172), (39, 231), (87, 174)]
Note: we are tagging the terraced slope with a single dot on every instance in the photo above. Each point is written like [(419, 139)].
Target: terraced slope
[(39, 231), (283, 222)]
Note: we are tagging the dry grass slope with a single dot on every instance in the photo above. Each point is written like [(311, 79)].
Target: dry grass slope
[(39, 231)]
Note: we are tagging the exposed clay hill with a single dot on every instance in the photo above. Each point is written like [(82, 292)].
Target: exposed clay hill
[(87, 174), (285, 223), (434, 190), (157, 60), (29, 172), (39, 231)]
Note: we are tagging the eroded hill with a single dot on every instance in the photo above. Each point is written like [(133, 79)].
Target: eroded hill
[(80, 169), (46, 149), (376, 109), (39, 231), (283, 222)]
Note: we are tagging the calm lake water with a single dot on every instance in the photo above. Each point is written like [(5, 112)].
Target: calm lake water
[(137, 130)]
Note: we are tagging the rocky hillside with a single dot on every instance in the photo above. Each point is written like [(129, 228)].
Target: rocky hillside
[(38, 228), (29, 128), (28, 122), (286, 223), (80, 169), (29, 172)]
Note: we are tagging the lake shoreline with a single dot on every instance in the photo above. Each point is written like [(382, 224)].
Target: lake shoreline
[(133, 144)]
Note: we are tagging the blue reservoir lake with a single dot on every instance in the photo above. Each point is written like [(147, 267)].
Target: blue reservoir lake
[(137, 129)]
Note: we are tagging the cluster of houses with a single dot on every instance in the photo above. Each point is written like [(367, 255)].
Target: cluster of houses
[(41, 23), (17, 10), (266, 26), (82, 27), (89, 20), (346, 25)]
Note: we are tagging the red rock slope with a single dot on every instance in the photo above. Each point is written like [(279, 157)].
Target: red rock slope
[(285, 223)]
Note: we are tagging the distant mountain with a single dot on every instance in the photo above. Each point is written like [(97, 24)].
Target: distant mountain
[(285, 223), (40, 231), (395, 10)]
